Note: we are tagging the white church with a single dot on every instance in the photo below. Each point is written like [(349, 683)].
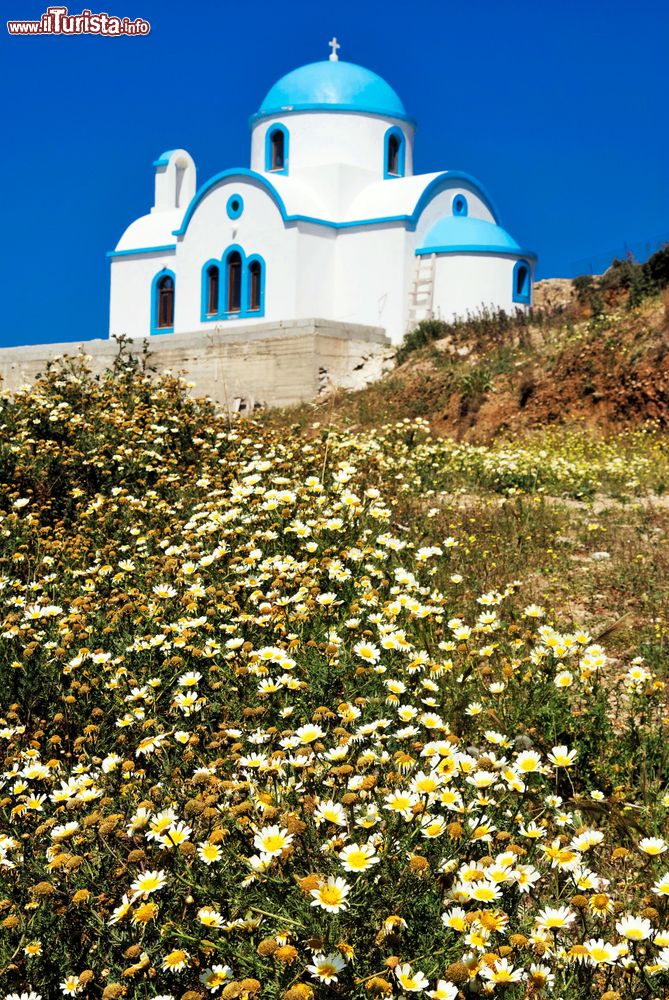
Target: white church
[(329, 221)]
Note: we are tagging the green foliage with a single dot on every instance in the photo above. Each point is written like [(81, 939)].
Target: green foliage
[(582, 286), (657, 268), (484, 328), (427, 331), (476, 381), (637, 281)]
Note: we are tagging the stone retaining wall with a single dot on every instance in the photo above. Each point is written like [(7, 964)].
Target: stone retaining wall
[(269, 364)]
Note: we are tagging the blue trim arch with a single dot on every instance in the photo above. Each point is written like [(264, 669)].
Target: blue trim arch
[(444, 180), (397, 133), (221, 178), (271, 131), (522, 282), (155, 329)]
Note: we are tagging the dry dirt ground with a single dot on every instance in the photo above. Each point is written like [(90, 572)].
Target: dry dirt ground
[(607, 373)]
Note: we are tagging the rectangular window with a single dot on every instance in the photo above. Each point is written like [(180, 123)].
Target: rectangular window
[(234, 283), (212, 297), (254, 291), (277, 151), (166, 307)]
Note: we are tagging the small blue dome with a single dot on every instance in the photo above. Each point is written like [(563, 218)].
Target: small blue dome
[(457, 232), (332, 85)]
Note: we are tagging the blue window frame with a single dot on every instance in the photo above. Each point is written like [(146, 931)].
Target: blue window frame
[(394, 153), (277, 143), (255, 286), (235, 206), (522, 285), (233, 286), (163, 290), (460, 206), (211, 290)]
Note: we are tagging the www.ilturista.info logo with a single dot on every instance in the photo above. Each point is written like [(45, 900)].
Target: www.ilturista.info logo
[(57, 21)]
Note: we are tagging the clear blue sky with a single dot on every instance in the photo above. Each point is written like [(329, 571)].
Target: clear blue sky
[(559, 108)]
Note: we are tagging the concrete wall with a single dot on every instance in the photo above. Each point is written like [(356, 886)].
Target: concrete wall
[(268, 364)]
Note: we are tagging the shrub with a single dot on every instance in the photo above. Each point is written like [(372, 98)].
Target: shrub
[(657, 268)]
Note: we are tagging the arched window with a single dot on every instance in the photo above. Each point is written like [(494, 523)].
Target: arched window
[(277, 141), (276, 149), (255, 286), (162, 302), (521, 282), (232, 287), (394, 153), (165, 302), (234, 282), (213, 276)]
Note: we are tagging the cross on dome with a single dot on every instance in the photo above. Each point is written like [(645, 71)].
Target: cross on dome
[(334, 45)]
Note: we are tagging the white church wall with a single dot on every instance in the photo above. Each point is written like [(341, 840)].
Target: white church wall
[(130, 299), (332, 137), (465, 283), (315, 278), (258, 230), (337, 185), (370, 278)]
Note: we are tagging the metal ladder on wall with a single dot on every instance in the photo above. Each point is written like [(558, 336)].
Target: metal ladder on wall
[(421, 293)]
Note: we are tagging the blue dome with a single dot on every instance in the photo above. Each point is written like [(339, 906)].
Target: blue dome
[(332, 85), (456, 233)]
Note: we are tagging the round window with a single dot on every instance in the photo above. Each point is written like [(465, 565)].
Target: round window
[(459, 205), (235, 206)]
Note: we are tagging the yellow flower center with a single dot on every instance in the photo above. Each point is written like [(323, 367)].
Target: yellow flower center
[(176, 958), (331, 895), (274, 842)]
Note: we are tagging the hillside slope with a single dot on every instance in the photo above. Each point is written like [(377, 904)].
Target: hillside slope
[(568, 365)]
